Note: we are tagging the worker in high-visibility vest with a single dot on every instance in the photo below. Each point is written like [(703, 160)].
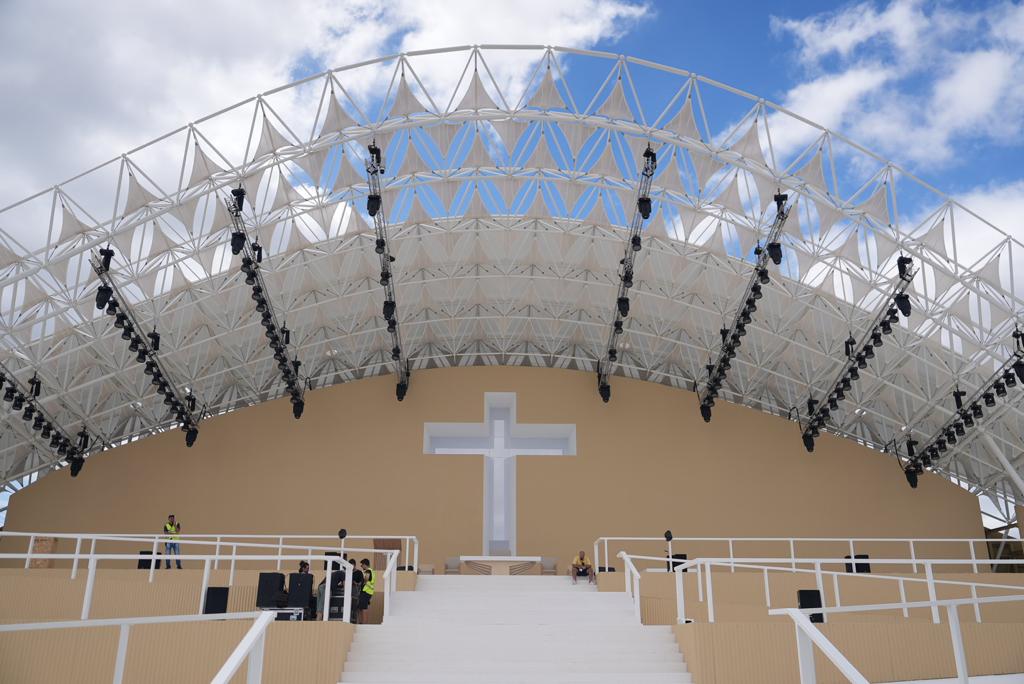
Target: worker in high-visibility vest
[(172, 529), (367, 591)]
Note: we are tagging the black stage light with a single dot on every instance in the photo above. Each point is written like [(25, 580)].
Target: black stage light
[(106, 255), (808, 442), (862, 362), (1010, 379), (989, 398), (745, 316), (396, 353), (112, 307), (968, 420), (141, 356), (103, 295), (46, 431), (257, 250), (247, 266), (190, 436), (751, 304), (238, 194), (951, 436), (902, 301), (62, 447), (635, 243), (627, 279), (814, 430), (903, 263), (1018, 368), (19, 403), (385, 278), (854, 373), (617, 326), (958, 427), (623, 304), (741, 331), (911, 475), (133, 346), (168, 400), (286, 334), (775, 252), (150, 368), (392, 325), (296, 364), (400, 390), (605, 392), (762, 276), (958, 397), (250, 278), (120, 320), (780, 201), (9, 393), (76, 464), (83, 440), (379, 246), (850, 346), (833, 403), (976, 409), (261, 305), (127, 332), (940, 444), (755, 291), (389, 309), (869, 351), (876, 338), (886, 327), (37, 425), (161, 388), (1000, 389), (36, 385), (237, 242), (299, 406), (29, 410), (847, 384), (613, 355), (811, 405), (705, 412), (841, 393), (373, 206), (644, 205)]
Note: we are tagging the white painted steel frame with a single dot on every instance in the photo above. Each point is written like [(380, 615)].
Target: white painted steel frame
[(479, 310)]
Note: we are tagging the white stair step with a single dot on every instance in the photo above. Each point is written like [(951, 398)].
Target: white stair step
[(559, 677)]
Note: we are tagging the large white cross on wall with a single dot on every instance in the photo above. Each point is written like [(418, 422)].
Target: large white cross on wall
[(499, 439)]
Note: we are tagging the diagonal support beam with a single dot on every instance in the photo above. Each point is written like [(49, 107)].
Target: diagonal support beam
[(641, 212), (375, 208)]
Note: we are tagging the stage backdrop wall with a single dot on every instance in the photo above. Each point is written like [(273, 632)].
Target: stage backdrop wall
[(645, 462)]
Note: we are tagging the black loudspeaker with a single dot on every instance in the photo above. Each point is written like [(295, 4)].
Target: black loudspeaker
[(861, 567), (810, 598), (216, 600), (270, 586), (334, 563), (601, 568), (677, 559), (300, 588), (145, 562)]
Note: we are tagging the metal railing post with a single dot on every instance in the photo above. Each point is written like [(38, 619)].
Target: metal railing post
[(767, 589), (821, 587), (74, 563), (974, 559), (216, 553), (327, 585), (913, 557), (90, 580), (931, 590), (28, 555), (636, 597), (597, 558), (835, 589), (231, 574), (254, 665), (122, 654), (206, 584), (732, 564), (977, 606), (416, 555), (280, 545), (346, 609), (958, 643), (710, 594), (154, 560), (680, 598), (792, 554), (903, 598), (805, 657), (606, 553)]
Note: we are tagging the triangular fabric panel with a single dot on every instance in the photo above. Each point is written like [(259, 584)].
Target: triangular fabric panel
[(749, 146), (877, 206), (405, 102), (813, 172), (935, 239), (336, 119), (541, 157), (683, 124), (70, 225), (476, 97), (270, 139), (668, 177), (510, 131), (989, 273), (347, 175), (615, 105), (606, 165), (547, 95), (705, 166), (313, 165), (730, 197), (417, 213), (478, 155), (138, 196), (202, 167)]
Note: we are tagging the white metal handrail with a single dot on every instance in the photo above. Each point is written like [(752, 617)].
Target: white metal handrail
[(329, 561), (807, 634), (255, 657), (766, 565), (410, 544), (601, 545), (250, 648)]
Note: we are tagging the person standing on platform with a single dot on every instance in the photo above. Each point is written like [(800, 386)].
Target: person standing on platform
[(367, 591), (172, 529), (582, 567)]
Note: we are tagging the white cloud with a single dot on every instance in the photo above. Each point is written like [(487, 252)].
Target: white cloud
[(109, 76)]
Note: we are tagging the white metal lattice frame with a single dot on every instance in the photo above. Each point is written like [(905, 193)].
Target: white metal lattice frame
[(508, 211)]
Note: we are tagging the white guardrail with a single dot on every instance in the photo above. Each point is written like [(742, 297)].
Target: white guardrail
[(249, 649), (409, 552), (808, 636), (602, 555), (705, 585)]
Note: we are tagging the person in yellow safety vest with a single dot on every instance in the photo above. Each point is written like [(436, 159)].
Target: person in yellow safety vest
[(582, 567), (367, 592), (172, 529)]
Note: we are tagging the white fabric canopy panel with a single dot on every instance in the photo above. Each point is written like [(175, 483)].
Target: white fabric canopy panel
[(508, 214)]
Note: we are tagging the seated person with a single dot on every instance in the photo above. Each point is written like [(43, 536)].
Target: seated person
[(582, 567)]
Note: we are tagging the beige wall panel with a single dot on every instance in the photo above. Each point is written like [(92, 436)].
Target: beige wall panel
[(86, 656), (645, 462)]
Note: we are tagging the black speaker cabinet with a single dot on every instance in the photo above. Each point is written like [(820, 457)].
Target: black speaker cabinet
[(144, 563), (810, 598), (861, 567), (271, 584), (677, 559), (300, 588), (602, 568), (216, 600)]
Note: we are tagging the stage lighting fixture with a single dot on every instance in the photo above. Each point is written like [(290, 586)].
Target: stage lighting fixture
[(951, 436), (862, 362), (617, 327), (854, 373), (396, 353), (103, 296), (850, 346), (623, 304), (237, 242), (62, 446), (112, 307), (76, 464), (106, 254), (35, 385), (635, 243), (643, 205), (261, 305), (392, 325), (162, 388), (238, 194), (876, 338), (833, 403), (627, 279), (705, 412), (1018, 368), (886, 327), (604, 390), (1000, 390), (762, 276), (902, 301), (389, 309), (940, 444), (141, 356), (613, 355), (958, 398), (903, 263), (840, 393), (190, 436), (967, 419), (120, 320), (19, 403), (127, 332), (869, 351), (911, 475), (133, 346), (299, 406), (1010, 379), (373, 203), (989, 398), (808, 442), (46, 431), (385, 278), (29, 410), (745, 317), (9, 393), (976, 409), (741, 331), (959, 429), (150, 368), (755, 291), (751, 304), (83, 440), (775, 252)]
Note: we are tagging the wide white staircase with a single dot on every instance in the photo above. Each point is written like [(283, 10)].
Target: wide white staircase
[(504, 629)]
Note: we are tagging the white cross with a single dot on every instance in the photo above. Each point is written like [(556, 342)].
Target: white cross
[(499, 439)]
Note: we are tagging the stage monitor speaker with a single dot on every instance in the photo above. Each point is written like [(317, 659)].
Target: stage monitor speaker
[(862, 568), (810, 598), (677, 559), (269, 589), (216, 600), (144, 562), (300, 588)]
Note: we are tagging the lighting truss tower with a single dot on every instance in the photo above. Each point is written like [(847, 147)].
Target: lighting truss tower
[(278, 335), (970, 411), (641, 212), (732, 336), (375, 208), (26, 399), (145, 346), (858, 353)]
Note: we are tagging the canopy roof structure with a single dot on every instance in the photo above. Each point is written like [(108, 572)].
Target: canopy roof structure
[(508, 213)]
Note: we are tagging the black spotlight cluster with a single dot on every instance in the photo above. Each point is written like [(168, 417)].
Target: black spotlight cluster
[(732, 337), (145, 347), (859, 353), (634, 243), (375, 208), (970, 411), (278, 335), (25, 401)]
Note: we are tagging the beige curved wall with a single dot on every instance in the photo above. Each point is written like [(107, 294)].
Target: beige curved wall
[(645, 462)]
